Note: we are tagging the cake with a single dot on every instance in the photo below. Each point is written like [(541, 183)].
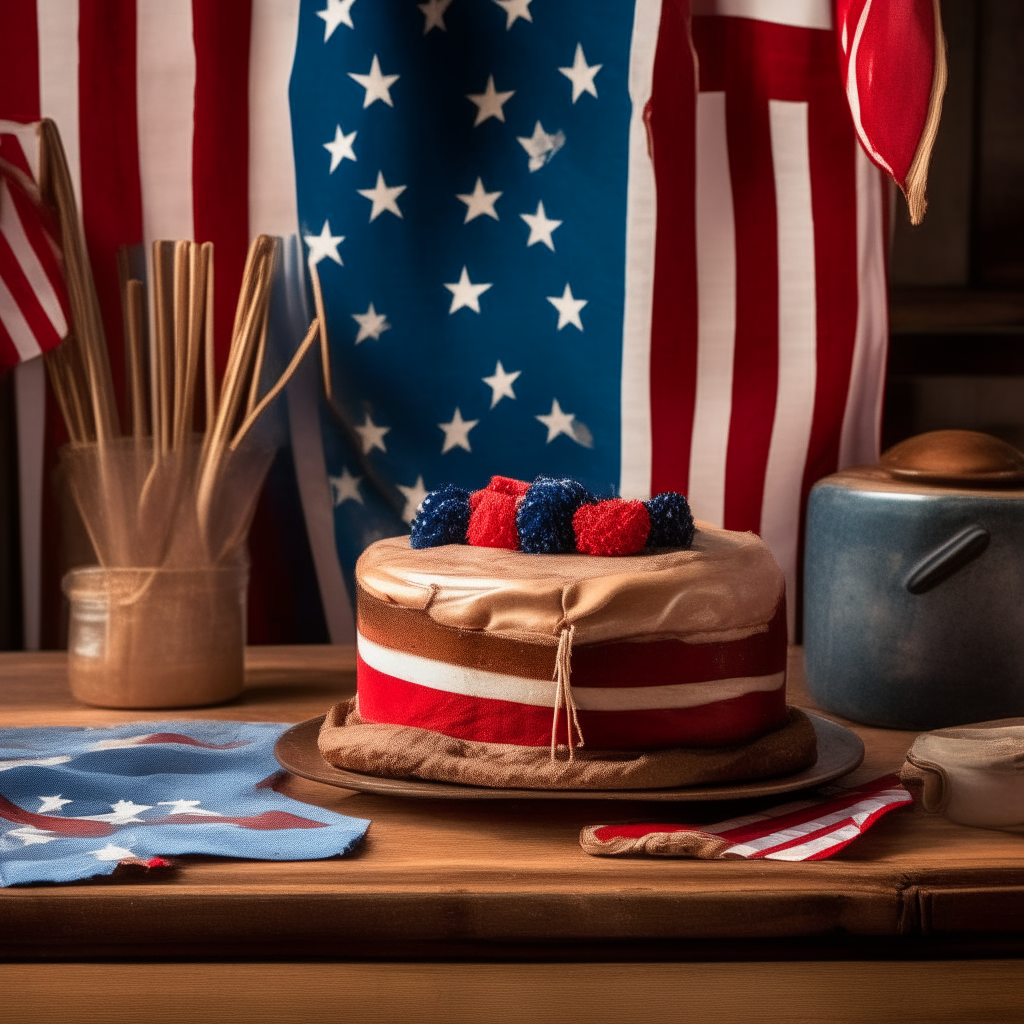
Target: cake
[(492, 666)]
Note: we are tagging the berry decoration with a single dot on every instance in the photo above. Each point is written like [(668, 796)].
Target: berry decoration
[(443, 518), (546, 513), (671, 521), (613, 527), (492, 523)]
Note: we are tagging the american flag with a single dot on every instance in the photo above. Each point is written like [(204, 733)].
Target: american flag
[(633, 243), (76, 802), (812, 829), (33, 298)]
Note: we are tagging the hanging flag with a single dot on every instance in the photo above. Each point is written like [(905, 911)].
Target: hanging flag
[(33, 297), (641, 246), (892, 55)]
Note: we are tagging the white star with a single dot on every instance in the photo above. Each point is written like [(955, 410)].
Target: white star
[(337, 12), (515, 9), (32, 836), (413, 498), (558, 422), (456, 432), (371, 324), (112, 852), (501, 384), (581, 74), (377, 86), (541, 227), (121, 813), (372, 435), (465, 293), (50, 803), (187, 807), (479, 202), (324, 244), (341, 148), (490, 102), (541, 146), (383, 197), (345, 487), (433, 14), (568, 308)]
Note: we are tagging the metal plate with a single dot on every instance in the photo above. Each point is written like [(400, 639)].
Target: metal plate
[(840, 751)]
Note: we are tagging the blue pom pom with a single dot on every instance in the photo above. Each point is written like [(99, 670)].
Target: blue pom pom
[(671, 521), (544, 518), (443, 518)]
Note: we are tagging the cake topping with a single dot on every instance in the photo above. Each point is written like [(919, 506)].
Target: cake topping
[(550, 516)]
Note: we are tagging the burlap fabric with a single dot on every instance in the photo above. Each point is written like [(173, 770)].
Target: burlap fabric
[(392, 751)]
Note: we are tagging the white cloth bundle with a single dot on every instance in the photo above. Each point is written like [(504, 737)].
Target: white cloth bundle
[(972, 774)]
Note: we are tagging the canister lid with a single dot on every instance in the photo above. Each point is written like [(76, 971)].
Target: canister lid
[(964, 458)]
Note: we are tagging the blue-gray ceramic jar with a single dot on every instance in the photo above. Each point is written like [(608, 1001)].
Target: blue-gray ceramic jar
[(914, 585)]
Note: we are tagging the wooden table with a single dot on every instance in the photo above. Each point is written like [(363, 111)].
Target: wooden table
[(454, 911)]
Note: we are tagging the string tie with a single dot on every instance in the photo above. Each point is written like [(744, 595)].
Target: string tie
[(563, 695)]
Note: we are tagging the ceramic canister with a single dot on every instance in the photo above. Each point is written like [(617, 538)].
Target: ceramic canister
[(914, 585)]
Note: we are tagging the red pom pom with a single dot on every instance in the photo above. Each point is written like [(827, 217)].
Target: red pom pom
[(492, 522), (613, 527), (506, 485)]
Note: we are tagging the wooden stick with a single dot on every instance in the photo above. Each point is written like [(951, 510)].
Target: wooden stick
[(325, 351), (135, 315), (161, 364), (257, 370), (62, 389), (282, 382), (182, 301), (55, 184), (211, 380)]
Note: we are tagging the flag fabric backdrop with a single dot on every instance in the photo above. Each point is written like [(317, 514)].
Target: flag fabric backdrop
[(638, 244)]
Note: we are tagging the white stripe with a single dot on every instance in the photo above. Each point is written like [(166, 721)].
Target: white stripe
[(166, 80), (28, 138), (273, 206), (471, 682), (17, 326), (57, 22), (716, 312), (862, 419), (641, 225), (794, 398), (858, 811), (12, 228), (801, 13), (819, 845)]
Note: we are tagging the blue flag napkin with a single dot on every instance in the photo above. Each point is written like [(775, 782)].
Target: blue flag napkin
[(75, 802)]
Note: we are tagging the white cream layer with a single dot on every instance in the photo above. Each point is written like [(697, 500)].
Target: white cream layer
[(473, 682)]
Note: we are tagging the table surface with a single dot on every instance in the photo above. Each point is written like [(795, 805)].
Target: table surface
[(508, 878)]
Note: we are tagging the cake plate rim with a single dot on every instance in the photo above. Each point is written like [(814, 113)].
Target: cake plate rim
[(840, 751)]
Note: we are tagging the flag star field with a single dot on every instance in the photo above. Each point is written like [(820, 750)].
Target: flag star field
[(461, 171)]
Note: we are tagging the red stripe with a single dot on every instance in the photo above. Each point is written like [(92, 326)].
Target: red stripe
[(19, 62), (385, 699), (61, 826), (25, 298), (728, 48), (673, 360), (111, 186), (267, 821), (220, 154)]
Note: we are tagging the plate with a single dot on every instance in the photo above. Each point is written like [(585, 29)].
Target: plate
[(839, 752)]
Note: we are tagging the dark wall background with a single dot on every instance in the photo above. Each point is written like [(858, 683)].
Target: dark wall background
[(957, 311)]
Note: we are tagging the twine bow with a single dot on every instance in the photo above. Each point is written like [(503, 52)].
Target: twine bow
[(563, 695)]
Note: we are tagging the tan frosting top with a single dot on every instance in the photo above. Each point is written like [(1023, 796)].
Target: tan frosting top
[(726, 586)]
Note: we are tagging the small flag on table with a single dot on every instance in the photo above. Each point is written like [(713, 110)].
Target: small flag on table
[(77, 802)]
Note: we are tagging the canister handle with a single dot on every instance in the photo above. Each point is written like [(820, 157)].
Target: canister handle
[(947, 558)]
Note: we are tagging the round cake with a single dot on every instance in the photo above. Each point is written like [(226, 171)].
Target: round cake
[(498, 667)]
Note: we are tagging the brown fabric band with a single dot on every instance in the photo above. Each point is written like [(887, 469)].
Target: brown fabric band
[(395, 752)]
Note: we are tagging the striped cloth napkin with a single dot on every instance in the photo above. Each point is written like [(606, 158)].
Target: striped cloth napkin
[(801, 830)]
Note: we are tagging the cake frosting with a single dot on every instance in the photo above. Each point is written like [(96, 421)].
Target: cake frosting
[(664, 649)]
